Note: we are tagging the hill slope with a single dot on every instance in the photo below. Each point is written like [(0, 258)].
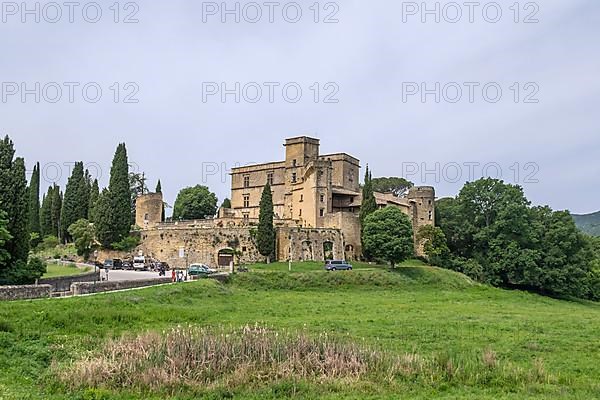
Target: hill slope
[(589, 223), (454, 339)]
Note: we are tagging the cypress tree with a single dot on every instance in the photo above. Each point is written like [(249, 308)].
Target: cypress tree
[(46, 214), (19, 221), (159, 190), (75, 204), (103, 214), (56, 210), (4, 237), (85, 188), (265, 236), (368, 206), (94, 195), (226, 203), (120, 195), (14, 202), (34, 203)]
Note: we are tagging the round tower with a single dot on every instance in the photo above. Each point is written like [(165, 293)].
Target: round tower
[(422, 199), (148, 210)]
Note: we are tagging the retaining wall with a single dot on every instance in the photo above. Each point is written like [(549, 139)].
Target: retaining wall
[(63, 283), (91, 287), (25, 292)]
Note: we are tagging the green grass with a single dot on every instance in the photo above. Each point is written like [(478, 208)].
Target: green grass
[(414, 309), (307, 266), (57, 270)]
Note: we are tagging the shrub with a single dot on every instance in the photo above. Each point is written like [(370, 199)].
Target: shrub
[(257, 355), (127, 244)]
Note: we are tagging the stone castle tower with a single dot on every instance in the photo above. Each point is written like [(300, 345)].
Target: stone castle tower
[(148, 210)]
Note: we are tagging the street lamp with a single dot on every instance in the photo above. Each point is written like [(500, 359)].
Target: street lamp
[(95, 266)]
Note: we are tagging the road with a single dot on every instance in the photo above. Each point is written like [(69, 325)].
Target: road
[(120, 275)]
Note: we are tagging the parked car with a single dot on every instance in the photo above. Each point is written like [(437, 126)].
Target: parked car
[(139, 263), (338, 265), (128, 265), (200, 270), (108, 264), (117, 263)]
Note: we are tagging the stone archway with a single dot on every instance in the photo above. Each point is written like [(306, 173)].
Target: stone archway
[(349, 252), (307, 251), (225, 257), (328, 250)]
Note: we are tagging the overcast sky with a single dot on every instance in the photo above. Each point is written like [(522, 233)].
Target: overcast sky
[(370, 68)]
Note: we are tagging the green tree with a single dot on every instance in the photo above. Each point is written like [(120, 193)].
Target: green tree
[(46, 214), (84, 237), (388, 235), (75, 203), (159, 190), (397, 186), (226, 203), (19, 225), (368, 206), (265, 234), (4, 238), (120, 196), (14, 204), (434, 244), (194, 203), (25, 272), (94, 195), (103, 219), (56, 210), (138, 187), (495, 236), (34, 205)]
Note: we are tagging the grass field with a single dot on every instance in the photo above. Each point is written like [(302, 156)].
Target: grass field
[(541, 348), (56, 270)]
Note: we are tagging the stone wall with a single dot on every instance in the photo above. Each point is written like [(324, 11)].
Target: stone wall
[(199, 245), (63, 283), (108, 286), (25, 292), (305, 244), (350, 228)]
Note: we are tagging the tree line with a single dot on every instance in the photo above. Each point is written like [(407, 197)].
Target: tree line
[(493, 234), (82, 214)]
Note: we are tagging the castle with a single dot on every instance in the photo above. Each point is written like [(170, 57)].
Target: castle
[(316, 201)]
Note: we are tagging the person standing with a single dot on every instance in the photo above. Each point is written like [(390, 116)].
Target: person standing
[(173, 275)]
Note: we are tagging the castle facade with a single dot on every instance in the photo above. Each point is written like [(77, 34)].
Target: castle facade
[(316, 198)]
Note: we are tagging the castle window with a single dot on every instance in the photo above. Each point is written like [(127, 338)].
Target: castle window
[(146, 217), (244, 249), (246, 201), (322, 198), (430, 215), (270, 178), (301, 198), (322, 212), (300, 212), (294, 177), (246, 217), (247, 181), (294, 163), (429, 202)]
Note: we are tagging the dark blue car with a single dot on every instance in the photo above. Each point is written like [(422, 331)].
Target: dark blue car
[(337, 265)]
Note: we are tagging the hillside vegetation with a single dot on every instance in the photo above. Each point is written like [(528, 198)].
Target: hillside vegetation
[(416, 332), (588, 223)]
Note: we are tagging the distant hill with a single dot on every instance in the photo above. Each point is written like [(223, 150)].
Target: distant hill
[(589, 223)]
